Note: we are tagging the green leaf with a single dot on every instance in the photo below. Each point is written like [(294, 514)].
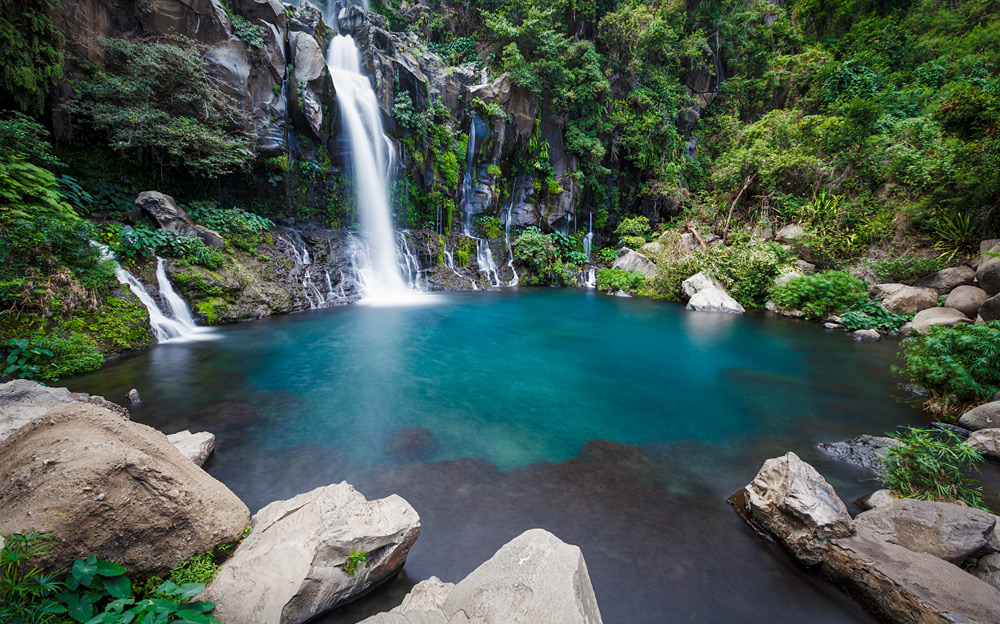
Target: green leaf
[(85, 569), (118, 586), (109, 568), (188, 590)]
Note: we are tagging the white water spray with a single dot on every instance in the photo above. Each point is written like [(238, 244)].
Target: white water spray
[(372, 159), (589, 238)]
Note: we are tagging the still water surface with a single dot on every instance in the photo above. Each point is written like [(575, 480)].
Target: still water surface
[(621, 425)]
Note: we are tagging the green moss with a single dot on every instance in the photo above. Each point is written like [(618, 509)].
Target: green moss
[(117, 326), (210, 308)]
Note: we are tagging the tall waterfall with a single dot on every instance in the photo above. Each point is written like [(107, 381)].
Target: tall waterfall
[(588, 240), (372, 159)]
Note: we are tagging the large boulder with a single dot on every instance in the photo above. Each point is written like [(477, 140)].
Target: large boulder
[(195, 446), (164, 211), (110, 487), (906, 586), (986, 416), (924, 319), (795, 504), (947, 280), (903, 299), (293, 565), (988, 273), (791, 233), (987, 442), (987, 569), (990, 309), (23, 400), (629, 260), (864, 450), (534, 578), (706, 295), (946, 530), (966, 299)]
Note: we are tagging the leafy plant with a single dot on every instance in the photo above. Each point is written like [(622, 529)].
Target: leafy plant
[(23, 357), (956, 236), (607, 255), (872, 315), (30, 57), (25, 592), (902, 268), (488, 226), (821, 294), (955, 364), (355, 561), (933, 466), (618, 279)]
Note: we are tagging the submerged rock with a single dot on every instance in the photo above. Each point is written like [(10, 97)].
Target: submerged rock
[(866, 335), (946, 530), (411, 444), (195, 446), (132, 397), (795, 504), (905, 586), (534, 578), (110, 487), (294, 564), (864, 450)]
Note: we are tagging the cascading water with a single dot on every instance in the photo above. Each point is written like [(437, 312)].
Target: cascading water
[(175, 325), (589, 238), (371, 155), (484, 258), (469, 180), (591, 278), (508, 216)]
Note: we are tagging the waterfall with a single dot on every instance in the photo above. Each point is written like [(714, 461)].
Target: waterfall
[(371, 157), (173, 325), (591, 278), (589, 238), (508, 216)]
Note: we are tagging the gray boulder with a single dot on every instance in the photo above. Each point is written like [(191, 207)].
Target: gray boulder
[(629, 260), (110, 487), (966, 299), (990, 309), (987, 569), (878, 498), (987, 442), (925, 319), (988, 273), (864, 450), (901, 585), (791, 233), (795, 504), (946, 530), (706, 295), (195, 446), (986, 416), (903, 299), (23, 400), (947, 280), (805, 267), (535, 578), (163, 210), (784, 278), (291, 567)]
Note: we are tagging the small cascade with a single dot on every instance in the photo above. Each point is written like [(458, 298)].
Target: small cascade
[(484, 77), (174, 325), (588, 240), (484, 258), (298, 247), (449, 261), (591, 278), (508, 217), (411, 264), (312, 292)]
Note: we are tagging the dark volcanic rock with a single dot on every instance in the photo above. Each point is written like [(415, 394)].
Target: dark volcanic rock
[(864, 450)]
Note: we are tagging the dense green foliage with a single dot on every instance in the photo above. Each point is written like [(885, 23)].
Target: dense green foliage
[(933, 466), (872, 315), (93, 592), (158, 98), (617, 279), (821, 294), (30, 58), (955, 364)]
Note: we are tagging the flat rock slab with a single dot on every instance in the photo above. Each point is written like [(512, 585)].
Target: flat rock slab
[(864, 450), (906, 586), (195, 446), (946, 530), (536, 578), (291, 567)]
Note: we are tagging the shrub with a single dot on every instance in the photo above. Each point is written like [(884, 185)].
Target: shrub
[(488, 226), (25, 592), (666, 284), (241, 228), (821, 294), (30, 57), (633, 228), (871, 315), (607, 255), (903, 268), (745, 269), (932, 466), (618, 279), (537, 251), (955, 364), (632, 242)]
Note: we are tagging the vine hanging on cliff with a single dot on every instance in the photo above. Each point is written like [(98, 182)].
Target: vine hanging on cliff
[(30, 59)]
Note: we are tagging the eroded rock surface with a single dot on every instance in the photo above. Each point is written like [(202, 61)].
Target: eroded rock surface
[(195, 446), (629, 260), (291, 567), (706, 295), (864, 450)]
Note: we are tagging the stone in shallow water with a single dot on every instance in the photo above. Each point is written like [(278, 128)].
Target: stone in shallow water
[(291, 567), (864, 450), (534, 578), (195, 446)]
